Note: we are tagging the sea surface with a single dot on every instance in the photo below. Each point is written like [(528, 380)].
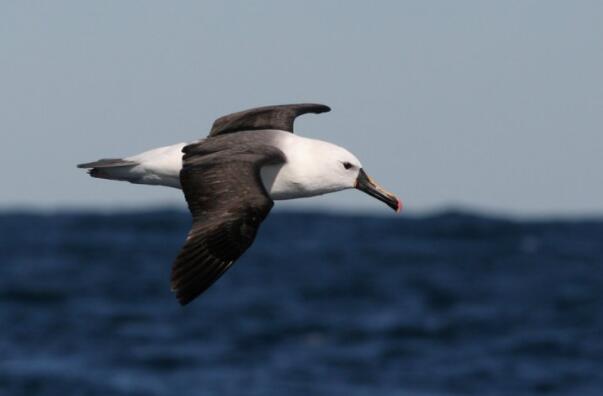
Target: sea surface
[(448, 304)]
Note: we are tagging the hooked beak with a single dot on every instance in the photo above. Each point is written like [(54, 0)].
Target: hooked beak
[(369, 186)]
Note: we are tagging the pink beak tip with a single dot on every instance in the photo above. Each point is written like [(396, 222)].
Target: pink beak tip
[(399, 208)]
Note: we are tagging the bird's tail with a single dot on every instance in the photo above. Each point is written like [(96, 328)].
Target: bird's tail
[(110, 168)]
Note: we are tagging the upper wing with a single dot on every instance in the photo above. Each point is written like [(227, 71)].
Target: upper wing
[(228, 202), (270, 117)]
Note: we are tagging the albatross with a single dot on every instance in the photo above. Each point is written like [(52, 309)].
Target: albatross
[(231, 178)]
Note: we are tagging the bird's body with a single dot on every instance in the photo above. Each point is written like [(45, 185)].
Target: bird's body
[(300, 176), (230, 179)]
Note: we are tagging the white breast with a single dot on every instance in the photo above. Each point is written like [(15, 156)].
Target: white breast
[(283, 181)]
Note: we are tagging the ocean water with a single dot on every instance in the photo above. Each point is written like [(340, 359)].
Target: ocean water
[(322, 304)]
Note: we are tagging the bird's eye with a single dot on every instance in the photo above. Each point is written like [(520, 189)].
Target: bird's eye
[(347, 165)]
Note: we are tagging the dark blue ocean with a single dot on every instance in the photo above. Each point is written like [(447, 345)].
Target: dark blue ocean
[(322, 304)]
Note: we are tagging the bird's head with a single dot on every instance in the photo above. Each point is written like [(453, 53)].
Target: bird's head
[(340, 170)]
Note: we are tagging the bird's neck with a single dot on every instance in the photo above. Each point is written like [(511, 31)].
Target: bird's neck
[(304, 174)]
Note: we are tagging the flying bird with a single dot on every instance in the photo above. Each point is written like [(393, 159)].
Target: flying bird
[(231, 178)]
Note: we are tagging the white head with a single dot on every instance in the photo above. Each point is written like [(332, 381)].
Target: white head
[(329, 167), (316, 167)]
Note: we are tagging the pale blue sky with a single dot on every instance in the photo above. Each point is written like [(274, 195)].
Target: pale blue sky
[(495, 105)]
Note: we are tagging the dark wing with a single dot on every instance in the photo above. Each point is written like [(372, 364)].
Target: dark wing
[(228, 202), (270, 117)]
